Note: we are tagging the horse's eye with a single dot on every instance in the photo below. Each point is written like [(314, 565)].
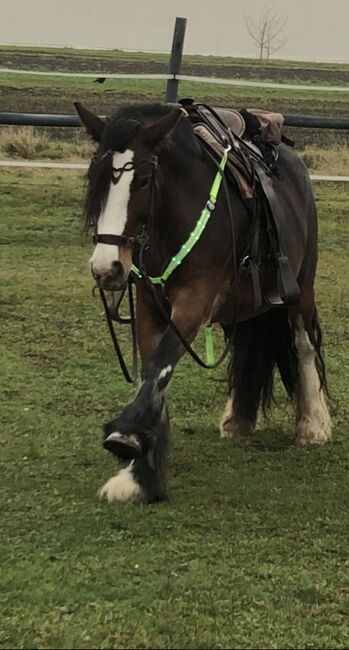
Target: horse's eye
[(144, 182)]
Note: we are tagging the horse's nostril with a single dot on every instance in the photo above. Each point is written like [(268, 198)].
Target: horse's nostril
[(117, 269)]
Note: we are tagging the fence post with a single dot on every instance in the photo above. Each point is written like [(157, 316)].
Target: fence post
[(176, 59)]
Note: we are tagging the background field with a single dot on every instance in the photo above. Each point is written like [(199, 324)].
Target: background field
[(33, 93), (252, 549)]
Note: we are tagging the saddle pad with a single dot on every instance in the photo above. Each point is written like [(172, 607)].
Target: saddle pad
[(241, 175)]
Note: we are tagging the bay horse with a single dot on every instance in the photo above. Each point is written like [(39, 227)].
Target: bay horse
[(151, 171)]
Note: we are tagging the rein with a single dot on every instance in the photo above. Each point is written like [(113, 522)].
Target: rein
[(112, 314)]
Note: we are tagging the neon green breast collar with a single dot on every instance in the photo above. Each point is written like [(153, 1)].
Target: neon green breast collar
[(198, 230)]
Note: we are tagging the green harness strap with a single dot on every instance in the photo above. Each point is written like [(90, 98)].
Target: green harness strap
[(190, 243), (198, 230)]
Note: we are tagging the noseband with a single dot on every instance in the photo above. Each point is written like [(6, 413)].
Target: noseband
[(150, 181)]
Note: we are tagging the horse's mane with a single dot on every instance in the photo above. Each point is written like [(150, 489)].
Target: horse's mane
[(143, 113), (120, 127)]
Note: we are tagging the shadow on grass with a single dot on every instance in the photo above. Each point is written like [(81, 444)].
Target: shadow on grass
[(274, 440)]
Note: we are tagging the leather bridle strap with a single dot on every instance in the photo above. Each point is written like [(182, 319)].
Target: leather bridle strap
[(114, 240), (122, 240), (131, 378)]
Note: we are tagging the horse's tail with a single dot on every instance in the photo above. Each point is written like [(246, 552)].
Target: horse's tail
[(260, 344)]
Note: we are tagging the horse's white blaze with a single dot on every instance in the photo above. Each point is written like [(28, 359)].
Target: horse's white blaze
[(313, 425), (112, 219), (122, 488)]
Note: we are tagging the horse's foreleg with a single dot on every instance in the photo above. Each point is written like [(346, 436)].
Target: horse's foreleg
[(126, 486), (313, 422), (141, 432)]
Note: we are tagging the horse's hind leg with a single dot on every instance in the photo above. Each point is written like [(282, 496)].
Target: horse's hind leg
[(313, 422), (231, 424), (250, 374)]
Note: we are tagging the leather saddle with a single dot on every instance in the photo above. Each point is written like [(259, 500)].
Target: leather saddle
[(253, 135)]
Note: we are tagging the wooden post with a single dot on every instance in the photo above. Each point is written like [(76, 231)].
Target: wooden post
[(176, 59)]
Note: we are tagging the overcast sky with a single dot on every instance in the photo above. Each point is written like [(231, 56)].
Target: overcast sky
[(316, 29)]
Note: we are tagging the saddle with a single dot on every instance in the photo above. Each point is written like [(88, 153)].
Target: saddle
[(254, 136)]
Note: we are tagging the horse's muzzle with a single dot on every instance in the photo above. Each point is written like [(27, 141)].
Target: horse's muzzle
[(113, 280)]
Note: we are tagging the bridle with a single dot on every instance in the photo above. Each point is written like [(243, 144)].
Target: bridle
[(112, 311), (150, 181)]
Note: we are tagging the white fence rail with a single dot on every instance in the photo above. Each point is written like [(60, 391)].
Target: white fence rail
[(31, 164), (222, 81)]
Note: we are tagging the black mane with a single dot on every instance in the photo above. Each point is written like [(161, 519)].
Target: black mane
[(121, 125)]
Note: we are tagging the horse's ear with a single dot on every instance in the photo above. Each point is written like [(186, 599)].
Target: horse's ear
[(152, 134), (92, 123)]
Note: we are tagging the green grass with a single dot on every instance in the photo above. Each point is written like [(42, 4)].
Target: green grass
[(156, 87), (252, 549)]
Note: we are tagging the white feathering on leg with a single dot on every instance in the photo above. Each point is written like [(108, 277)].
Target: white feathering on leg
[(313, 425), (122, 488)]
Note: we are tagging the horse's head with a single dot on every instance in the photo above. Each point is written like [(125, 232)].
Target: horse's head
[(120, 186)]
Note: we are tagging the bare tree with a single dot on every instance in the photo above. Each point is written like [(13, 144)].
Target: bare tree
[(267, 32)]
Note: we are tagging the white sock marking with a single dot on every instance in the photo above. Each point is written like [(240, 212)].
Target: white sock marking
[(230, 425), (313, 419), (165, 372), (122, 488)]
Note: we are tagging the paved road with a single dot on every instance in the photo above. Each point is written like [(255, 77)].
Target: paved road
[(183, 77)]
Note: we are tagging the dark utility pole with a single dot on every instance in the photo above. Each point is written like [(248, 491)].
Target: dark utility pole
[(176, 59)]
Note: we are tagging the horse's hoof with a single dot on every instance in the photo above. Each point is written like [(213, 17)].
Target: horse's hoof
[(125, 447), (136, 483), (313, 432)]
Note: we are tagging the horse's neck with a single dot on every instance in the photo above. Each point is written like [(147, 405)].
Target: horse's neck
[(184, 188)]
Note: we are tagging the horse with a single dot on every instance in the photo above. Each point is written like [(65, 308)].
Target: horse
[(150, 172)]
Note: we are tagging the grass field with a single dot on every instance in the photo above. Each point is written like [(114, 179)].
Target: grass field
[(155, 89), (252, 549), (34, 93), (28, 143)]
